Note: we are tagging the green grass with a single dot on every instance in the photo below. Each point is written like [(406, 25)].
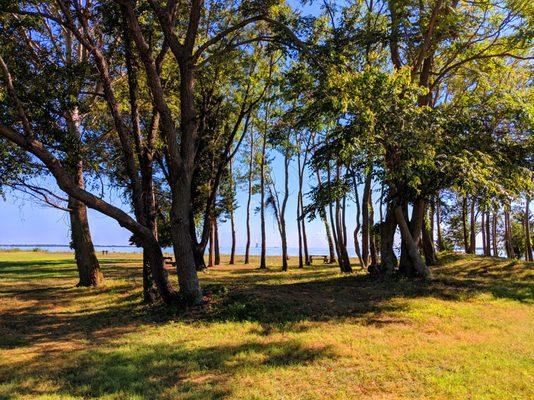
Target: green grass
[(303, 334)]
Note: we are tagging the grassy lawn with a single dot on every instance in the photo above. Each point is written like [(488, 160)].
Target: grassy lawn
[(304, 334)]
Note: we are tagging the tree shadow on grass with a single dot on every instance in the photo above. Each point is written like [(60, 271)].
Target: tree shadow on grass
[(359, 296), (161, 371)]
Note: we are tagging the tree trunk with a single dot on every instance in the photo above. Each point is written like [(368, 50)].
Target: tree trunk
[(411, 242), (232, 249), (464, 224), (494, 234), (487, 227), (365, 220), (211, 251), (217, 248), (86, 261), (528, 242), (182, 244), (344, 261), (438, 224), (372, 236), (299, 231), (507, 235), (428, 244), (388, 259), (300, 206), (472, 228), (282, 215), (483, 231), (358, 224), (249, 198), (304, 236), (263, 264), (331, 250), (232, 221)]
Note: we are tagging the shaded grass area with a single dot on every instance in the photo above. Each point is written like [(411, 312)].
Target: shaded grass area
[(303, 334)]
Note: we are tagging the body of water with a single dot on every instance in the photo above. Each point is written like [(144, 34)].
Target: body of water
[(254, 250)]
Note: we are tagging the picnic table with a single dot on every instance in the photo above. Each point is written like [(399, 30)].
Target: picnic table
[(323, 256)]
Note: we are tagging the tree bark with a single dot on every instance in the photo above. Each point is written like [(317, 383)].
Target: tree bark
[(388, 259), (217, 248), (372, 236), (438, 224), (88, 267), (304, 236), (411, 238), (508, 235), (494, 234), (528, 242), (211, 251), (464, 224), (472, 228), (488, 234), (358, 224), (365, 220), (282, 215), (331, 249), (483, 231), (428, 244), (232, 221), (249, 197), (263, 264), (300, 205)]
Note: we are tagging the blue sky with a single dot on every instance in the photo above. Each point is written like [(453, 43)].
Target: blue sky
[(25, 221)]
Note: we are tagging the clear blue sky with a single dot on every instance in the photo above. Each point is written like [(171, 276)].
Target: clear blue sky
[(24, 221)]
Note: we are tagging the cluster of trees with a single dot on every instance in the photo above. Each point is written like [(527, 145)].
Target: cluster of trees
[(419, 112)]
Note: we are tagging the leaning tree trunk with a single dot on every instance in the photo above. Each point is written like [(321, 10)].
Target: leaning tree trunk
[(300, 206), (88, 267), (322, 213), (84, 251)]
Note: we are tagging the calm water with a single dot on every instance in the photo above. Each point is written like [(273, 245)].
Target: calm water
[(271, 251), (255, 251)]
